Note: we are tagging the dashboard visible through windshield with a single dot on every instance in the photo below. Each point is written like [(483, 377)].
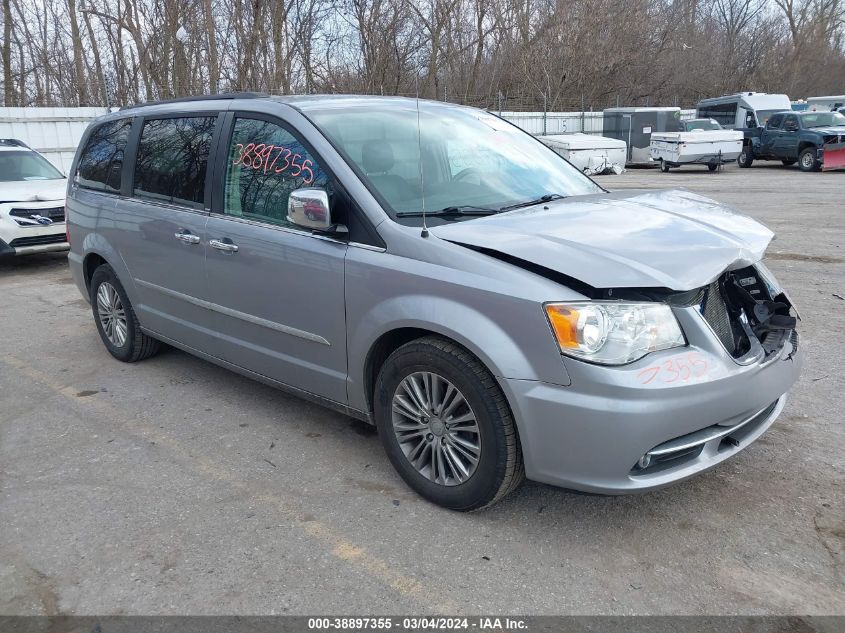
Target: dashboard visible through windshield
[(455, 162)]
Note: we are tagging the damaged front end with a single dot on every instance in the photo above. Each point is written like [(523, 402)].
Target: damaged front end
[(746, 310), (749, 313)]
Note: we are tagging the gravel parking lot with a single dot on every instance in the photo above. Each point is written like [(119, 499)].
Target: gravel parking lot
[(173, 486)]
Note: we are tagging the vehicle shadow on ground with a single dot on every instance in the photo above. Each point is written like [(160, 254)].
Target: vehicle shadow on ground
[(32, 264), (357, 444)]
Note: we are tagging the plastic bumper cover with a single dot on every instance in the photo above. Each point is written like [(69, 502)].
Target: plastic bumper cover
[(591, 435)]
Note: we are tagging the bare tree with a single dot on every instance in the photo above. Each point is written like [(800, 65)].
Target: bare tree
[(562, 54)]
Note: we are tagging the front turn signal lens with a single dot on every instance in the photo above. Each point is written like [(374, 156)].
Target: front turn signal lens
[(611, 332), (564, 320)]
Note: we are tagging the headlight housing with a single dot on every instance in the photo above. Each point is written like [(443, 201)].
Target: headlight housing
[(612, 332), (767, 277)]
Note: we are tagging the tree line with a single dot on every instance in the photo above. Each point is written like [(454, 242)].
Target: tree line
[(506, 54)]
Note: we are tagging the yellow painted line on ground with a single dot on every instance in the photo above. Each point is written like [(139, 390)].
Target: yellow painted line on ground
[(336, 543)]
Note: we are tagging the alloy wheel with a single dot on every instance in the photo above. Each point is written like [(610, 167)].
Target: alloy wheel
[(807, 160), (112, 314), (436, 428)]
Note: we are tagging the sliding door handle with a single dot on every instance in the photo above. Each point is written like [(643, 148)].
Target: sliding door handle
[(187, 238), (226, 247)]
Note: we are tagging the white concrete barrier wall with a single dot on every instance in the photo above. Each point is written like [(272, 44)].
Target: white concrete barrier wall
[(564, 122), (55, 132)]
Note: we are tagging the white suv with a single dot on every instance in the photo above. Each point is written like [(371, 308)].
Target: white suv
[(32, 201)]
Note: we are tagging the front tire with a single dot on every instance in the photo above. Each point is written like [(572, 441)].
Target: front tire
[(115, 318), (807, 160), (745, 159), (446, 426), (712, 166)]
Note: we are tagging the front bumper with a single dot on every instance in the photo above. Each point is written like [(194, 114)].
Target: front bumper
[(16, 248), (17, 239), (591, 435)]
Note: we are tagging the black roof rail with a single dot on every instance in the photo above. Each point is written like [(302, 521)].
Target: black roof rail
[(217, 97), (13, 142)]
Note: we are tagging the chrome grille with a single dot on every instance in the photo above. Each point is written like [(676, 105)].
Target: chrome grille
[(56, 214)]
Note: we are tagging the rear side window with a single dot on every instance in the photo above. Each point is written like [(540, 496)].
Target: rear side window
[(173, 159), (101, 162)]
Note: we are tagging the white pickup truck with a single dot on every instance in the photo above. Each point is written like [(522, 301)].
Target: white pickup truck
[(700, 142)]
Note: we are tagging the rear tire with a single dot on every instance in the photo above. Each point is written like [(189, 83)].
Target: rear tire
[(663, 166), (115, 319), (424, 448), (745, 159), (712, 166), (807, 160)]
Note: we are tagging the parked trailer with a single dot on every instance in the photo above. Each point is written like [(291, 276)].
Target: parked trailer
[(710, 148), (589, 153), (636, 125)]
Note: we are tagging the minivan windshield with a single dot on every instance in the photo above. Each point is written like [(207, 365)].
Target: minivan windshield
[(24, 165), (458, 162), (822, 119)]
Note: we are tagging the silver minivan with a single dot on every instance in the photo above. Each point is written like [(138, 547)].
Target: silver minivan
[(435, 271)]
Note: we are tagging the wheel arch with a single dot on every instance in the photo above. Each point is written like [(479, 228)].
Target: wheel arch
[(509, 344), (96, 251), (383, 347), (392, 339), (90, 263)]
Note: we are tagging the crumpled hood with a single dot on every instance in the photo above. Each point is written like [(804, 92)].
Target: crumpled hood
[(33, 190), (665, 239)]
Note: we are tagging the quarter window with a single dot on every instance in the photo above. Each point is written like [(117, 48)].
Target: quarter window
[(101, 163), (265, 163), (173, 159)]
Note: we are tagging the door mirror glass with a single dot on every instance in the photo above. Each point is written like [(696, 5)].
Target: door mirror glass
[(309, 208)]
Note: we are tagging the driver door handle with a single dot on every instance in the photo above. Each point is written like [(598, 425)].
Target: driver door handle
[(187, 238), (220, 245)]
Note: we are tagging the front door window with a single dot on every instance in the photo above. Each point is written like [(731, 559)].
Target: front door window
[(265, 163)]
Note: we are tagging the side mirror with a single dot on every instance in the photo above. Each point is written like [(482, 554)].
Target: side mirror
[(309, 208)]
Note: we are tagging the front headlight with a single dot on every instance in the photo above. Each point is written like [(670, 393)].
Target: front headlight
[(613, 333)]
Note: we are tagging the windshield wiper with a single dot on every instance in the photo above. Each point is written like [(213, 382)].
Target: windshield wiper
[(449, 212), (546, 198)]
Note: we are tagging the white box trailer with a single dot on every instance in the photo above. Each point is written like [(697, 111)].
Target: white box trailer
[(589, 153), (710, 148)]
